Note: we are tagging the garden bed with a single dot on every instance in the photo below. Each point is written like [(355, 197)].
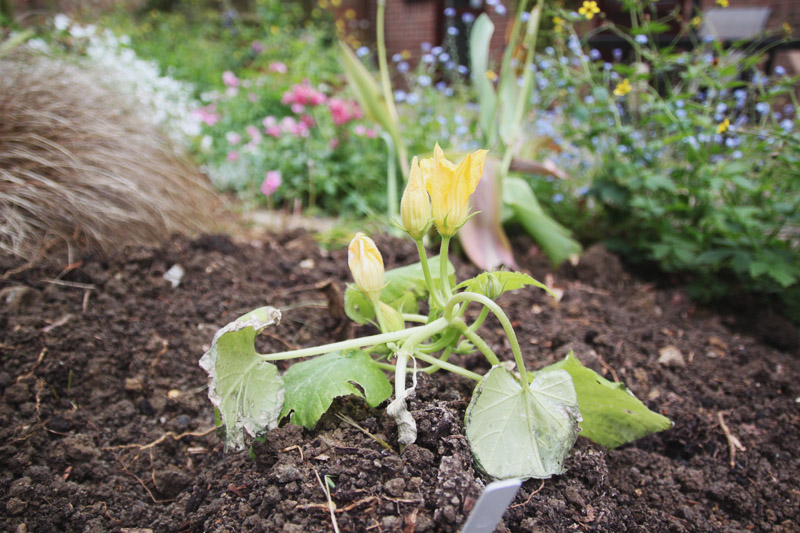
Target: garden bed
[(106, 424)]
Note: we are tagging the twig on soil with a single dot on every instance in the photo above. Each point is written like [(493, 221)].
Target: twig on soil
[(159, 440), (142, 483), (365, 431), (733, 442), (607, 367), (526, 502), (331, 505), (73, 284), (30, 372), (298, 448)]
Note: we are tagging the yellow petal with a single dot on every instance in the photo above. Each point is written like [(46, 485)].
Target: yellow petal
[(415, 206), (478, 162), (366, 264)]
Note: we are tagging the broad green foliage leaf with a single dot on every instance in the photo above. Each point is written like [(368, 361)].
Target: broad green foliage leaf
[(479, 39), (404, 287), (612, 415), (555, 239), (493, 284), (524, 433), (247, 391), (312, 385)]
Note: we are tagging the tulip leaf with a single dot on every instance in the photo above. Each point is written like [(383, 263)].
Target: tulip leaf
[(479, 39), (555, 239), (312, 385), (405, 286), (522, 432), (369, 95), (482, 236), (493, 284), (612, 415), (246, 390)]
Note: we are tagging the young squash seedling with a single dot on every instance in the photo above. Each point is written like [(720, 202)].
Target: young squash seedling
[(519, 424)]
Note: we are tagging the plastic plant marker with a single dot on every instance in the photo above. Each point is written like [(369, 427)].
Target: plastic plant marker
[(491, 505)]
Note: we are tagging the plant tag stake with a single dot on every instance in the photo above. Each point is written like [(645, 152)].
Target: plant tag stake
[(491, 505)]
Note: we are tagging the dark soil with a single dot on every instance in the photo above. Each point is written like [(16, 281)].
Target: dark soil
[(105, 424)]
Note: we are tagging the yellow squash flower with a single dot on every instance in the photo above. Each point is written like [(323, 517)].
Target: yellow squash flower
[(589, 9), (366, 264), (622, 88), (415, 206), (450, 187), (723, 3)]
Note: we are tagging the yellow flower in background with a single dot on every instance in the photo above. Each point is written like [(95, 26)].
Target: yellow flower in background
[(450, 187), (336, 3), (340, 25), (787, 29), (558, 24), (696, 22), (723, 3), (723, 126), (366, 264), (323, 3), (405, 54), (415, 206), (491, 75), (350, 14), (589, 9), (622, 88)]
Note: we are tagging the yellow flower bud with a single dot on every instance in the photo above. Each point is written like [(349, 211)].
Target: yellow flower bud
[(366, 264), (415, 206), (450, 187), (392, 319)]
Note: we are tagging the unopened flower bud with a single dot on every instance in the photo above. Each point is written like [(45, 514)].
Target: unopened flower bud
[(415, 207), (366, 264), (490, 285), (392, 319)]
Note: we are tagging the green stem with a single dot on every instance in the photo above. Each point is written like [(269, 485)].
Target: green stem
[(501, 316), (447, 291), (391, 186), (410, 317), (442, 358), (448, 366), (421, 333), (426, 331), (386, 85), (475, 339), (426, 271)]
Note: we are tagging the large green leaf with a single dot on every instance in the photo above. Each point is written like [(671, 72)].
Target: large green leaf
[(555, 239), (479, 39), (312, 385), (247, 391), (522, 432), (404, 287), (612, 415), (493, 284)]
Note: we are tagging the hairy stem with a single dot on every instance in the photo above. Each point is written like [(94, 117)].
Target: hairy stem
[(426, 271)]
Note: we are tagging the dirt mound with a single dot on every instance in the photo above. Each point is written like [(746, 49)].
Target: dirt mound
[(105, 424)]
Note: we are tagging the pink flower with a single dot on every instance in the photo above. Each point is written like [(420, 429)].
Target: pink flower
[(303, 94), (334, 143), (271, 182), (372, 133), (230, 92), (360, 130), (230, 79), (273, 131), (233, 155), (255, 135), (278, 66), (308, 120), (253, 97), (343, 111), (257, 47), (298, 108), (269, 120), (233, 138), (208, 114)]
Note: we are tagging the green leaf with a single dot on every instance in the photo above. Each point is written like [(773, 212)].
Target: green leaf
[(522, 432), (247, 391), (404, 287), (493, 284), (480, 36), (312, 385), (612, 415), (555, 239)]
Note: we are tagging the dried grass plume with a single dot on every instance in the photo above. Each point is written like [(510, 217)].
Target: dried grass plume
[(78, 167)]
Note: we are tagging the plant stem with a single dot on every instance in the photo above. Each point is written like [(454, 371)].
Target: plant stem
[(425, 331), (426, 270), (448, 366), (477, 340), (386, 85), (410, 317), (501, 316), (447, 291)]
